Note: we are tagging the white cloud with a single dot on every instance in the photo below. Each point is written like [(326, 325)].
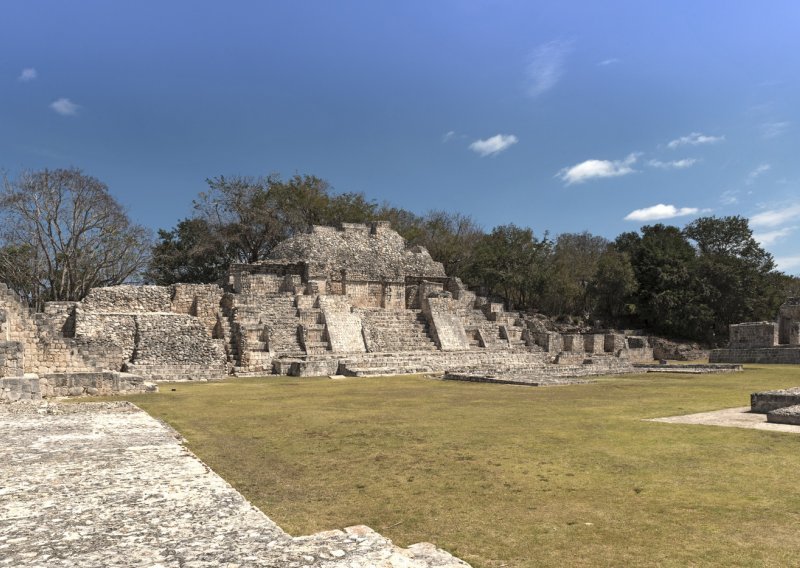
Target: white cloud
[(494, 145), (674, 164), (591, 169), (449, 135), (28, 74), (775, 217), (660, 211), (64, 107), (787, 263), (729, 197), (751, 177), (610, 61), (773, 129), (770, 237), (694, 139), (546, 66)]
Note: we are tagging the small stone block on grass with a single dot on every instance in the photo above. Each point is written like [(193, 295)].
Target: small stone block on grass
[(786, 415)]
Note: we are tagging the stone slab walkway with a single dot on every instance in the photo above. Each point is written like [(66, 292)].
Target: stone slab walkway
[(740, 417), (105, 484)]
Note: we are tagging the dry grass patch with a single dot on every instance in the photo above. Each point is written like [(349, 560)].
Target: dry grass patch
[(507, 475)]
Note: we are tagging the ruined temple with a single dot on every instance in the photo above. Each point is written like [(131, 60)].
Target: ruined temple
[(352, 300), (765, 341)]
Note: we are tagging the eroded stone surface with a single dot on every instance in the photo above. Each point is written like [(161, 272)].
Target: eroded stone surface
[(107, 485)]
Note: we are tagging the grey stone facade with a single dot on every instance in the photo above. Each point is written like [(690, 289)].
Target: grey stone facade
[(765, 342), (318, 303)]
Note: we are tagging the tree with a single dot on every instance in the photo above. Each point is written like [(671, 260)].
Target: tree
[(734, 271), (240, 220), (239, 213), (73, 233), (613, 285), (511, 262), (450, 238), (669, 294), (190, 253), (574, 263)]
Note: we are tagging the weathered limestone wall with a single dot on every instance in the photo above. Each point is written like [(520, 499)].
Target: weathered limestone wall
[(343, 327), (549, 341), (784, 355), (594, 342), (32, 387), (13, 389), (121, 299), (17, 324), (789, 314), (116, 328), (639, 349), (175, 347), (754, 334), (11, 359), (200, 300)]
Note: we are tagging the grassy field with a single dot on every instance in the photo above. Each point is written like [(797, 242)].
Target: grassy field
[(508, 475)]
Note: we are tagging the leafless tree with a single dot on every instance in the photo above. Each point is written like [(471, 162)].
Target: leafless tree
[(63, 233)]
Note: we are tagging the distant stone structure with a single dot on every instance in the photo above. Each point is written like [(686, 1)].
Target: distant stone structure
[(353, 300), (764, 341)]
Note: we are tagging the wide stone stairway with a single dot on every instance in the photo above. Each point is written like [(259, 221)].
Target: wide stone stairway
[(395, 330)]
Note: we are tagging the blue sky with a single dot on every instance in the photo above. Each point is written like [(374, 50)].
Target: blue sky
[(569, 116)]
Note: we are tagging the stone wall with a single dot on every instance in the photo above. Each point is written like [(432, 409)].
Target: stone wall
[(116, 328), (13, 389), (121, 299), (11, 359), (200, 300), (175, 347), (788, 317), (784, 355), (753, 335), (17, 324)]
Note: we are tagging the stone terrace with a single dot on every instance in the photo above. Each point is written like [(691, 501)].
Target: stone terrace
[(104, 484)]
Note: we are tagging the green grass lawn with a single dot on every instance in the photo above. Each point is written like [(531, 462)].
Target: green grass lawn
[(505, 475)]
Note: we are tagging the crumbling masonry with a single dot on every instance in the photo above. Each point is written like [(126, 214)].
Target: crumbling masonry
[(352, 300), (765, 341)]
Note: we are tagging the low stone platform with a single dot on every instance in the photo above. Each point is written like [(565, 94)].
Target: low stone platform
[(531, 381), (694, 369), (785, 415), (783, 355), (105, 484), (102, 383), (767, 401)]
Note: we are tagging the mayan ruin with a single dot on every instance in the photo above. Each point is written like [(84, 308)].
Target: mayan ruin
[(763, 341), (399, 284), (349, 301)]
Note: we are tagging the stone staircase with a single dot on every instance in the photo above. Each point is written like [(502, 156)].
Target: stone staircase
[(495, 331), (395, 330), (313, 336), (263, 331)]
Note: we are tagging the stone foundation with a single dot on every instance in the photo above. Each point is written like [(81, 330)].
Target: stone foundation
[(768, 355), (767, 401)]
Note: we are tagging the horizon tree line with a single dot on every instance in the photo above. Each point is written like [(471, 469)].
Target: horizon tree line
[(63, 233)]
